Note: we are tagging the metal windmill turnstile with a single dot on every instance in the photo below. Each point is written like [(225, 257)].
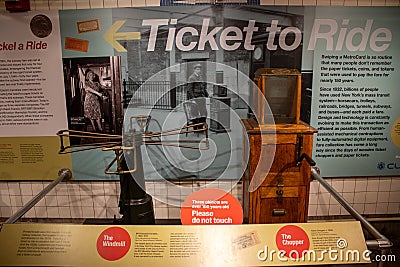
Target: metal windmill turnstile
[(135, 205)]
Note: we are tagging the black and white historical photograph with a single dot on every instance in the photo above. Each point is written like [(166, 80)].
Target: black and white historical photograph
[(200, 64), (93, 94)]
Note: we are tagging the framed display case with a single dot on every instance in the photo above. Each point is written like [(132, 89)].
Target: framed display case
[(282, 90)]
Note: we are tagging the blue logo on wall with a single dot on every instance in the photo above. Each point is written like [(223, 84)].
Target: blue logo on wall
[(389, 166), (381, 166)]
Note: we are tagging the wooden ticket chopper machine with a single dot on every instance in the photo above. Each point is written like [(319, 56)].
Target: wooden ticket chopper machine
[(282, 195)]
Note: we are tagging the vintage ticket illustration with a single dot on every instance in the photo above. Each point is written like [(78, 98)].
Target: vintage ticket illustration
[(88, 25)]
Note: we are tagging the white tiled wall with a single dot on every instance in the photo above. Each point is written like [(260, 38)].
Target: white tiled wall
[(369, 196), (85, 4)]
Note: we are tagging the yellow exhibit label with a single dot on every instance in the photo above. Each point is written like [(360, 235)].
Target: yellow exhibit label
[(180, 245), (395, 133), (31, 158)]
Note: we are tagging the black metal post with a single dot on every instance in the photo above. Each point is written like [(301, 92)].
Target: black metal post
[(125, 94), (172, 94), (136, 206)]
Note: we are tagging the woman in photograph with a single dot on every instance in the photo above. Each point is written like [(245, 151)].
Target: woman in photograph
[(93, 98)]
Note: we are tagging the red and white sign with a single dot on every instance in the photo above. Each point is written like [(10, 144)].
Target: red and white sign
[(113, 243), (293, 240), (211, 206)]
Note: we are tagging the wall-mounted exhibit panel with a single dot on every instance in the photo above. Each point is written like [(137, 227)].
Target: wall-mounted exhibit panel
[(141, 60), (355, 97), (32, 104)]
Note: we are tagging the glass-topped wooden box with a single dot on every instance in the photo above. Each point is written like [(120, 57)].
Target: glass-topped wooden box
[(282, 90)]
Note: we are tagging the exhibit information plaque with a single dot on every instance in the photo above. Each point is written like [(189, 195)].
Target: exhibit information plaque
[(177, 245)]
